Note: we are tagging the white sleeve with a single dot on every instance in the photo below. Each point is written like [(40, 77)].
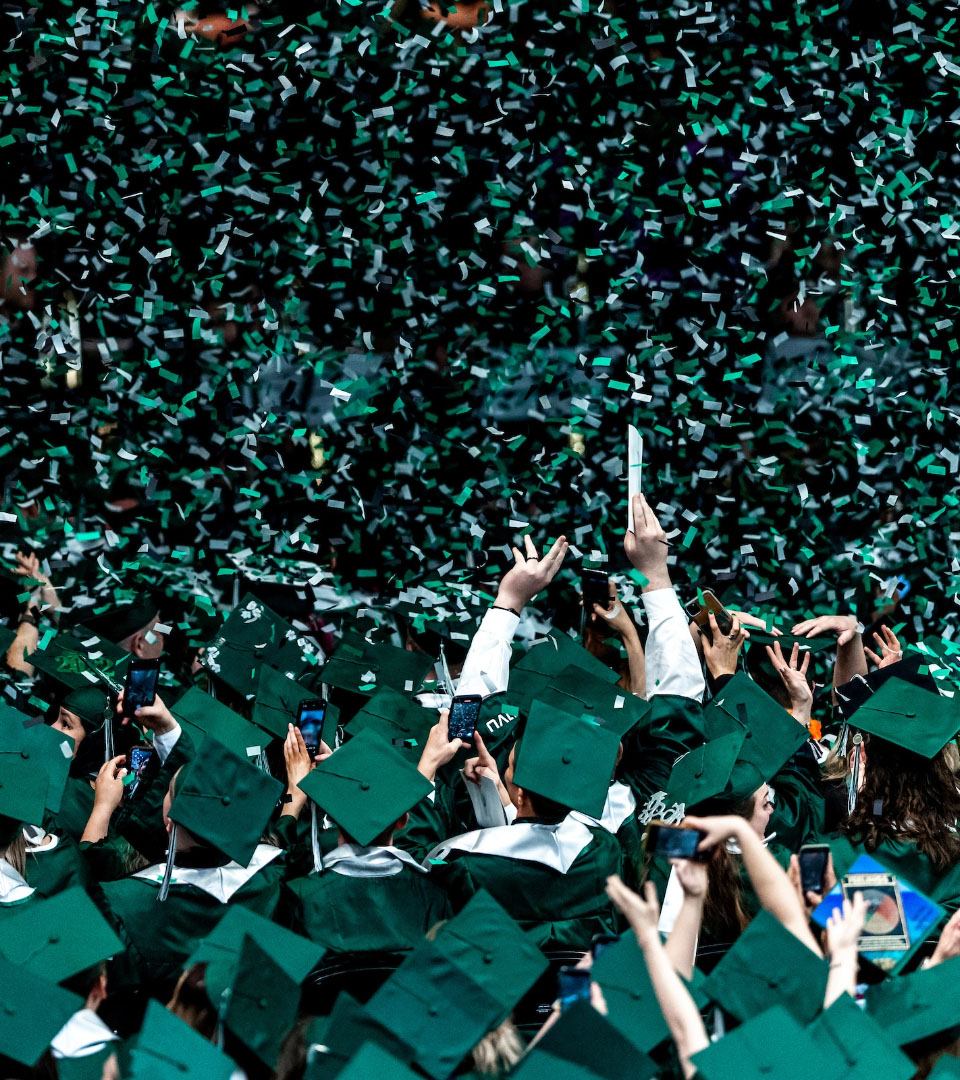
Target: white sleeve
[(166, 741), (673, 664), (486, 669)]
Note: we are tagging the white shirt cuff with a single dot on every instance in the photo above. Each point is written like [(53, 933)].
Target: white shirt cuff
[(165, 742)]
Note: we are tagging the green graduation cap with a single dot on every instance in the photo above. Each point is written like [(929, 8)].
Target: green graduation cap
[(365, 786), (255, 1000), (558, 653), (167, 1047), (77, 657), (254, 636), (224, 800), (632, 1005), (863, 1046), (913, 1006), (332, 1041), (568, 759), (771, 735), (277, 701), (202, 715), (582, 1045), (768, 965), (909, 716), (50, 751), (372, 1061), (397, 719), (578, 692), (90, 704), (23, 792), (498, 719), (947, 1068), (710, 772), (770, 1044), (296, 956), (363, 667), (32, 1011), (58, 937), (119, 621)]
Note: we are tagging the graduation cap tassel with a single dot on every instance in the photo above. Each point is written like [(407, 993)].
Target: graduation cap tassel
[(168, 869), (108, 750), (853, 777), (315, 839)]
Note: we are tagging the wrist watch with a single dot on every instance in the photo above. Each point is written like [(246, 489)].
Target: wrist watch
[(31, 616)]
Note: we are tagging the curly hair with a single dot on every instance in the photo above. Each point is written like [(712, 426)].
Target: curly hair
[(909, 798)]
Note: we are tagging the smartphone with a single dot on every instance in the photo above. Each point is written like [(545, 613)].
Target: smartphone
[(573, 985), (675, 842), (595, 587), (310, 722), (141, 685), (602, 942), (464, 713), (700, 614), (813, 867), (138, 757)]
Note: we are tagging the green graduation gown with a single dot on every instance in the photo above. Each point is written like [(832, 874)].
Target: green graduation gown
[(346, 912)]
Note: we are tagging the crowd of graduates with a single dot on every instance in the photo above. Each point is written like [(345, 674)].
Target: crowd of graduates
[(393, 900)]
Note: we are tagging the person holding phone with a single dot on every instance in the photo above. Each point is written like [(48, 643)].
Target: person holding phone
[(607, 620)]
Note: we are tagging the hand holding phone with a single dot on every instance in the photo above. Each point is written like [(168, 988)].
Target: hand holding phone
[(573, 986), (700, 614), (138, 758), (310, 716), (595, 589), (675, 842), (464, 714), (140, 689), (813, 859)]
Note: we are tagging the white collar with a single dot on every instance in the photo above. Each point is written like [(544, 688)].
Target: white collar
[(556, 846), (352, 860), (620, 805), (35, 837), (13, 888), (83, 1034), (220, 882)]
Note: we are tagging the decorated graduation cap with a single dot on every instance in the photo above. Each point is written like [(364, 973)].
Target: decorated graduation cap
[(32, 1010), (166, 1047), (567, 759), (80, 658), (397, 719), (910, 717), (771, 735), (768, 965), (224, 801), (713, 775), (254, 636), (915, 1006), (770, 1043), (362, 667), (278, 698), (851, 1034), (119, 621), (58, 937), (451, 991), (581, 1045), (203, 716), (498, 720), (365, 786), (50, 752)]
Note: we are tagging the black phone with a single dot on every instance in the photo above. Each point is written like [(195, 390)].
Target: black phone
[(573, 985), (310, 722), (602, 942), (138, 758), (675, 842), (141, 685), (595, 587), (464, 714), (813, 867)]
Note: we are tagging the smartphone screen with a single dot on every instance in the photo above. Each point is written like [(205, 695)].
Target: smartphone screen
[(464, 713), (813, 867), (138, 757), (673, 842), (595, 586), (310, 722), (573, 985), (141, 685)]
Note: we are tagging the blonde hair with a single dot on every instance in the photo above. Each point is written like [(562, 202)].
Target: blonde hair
[(498, 1051)]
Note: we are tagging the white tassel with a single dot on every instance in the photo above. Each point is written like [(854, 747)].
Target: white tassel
[(315, 839)]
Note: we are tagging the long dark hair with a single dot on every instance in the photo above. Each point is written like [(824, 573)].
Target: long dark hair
[(910, 798), (725, 915)]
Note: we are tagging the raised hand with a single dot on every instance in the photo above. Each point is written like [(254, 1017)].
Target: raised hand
[(844, 929), (844, 626), (890, 650), (642, 912), (530, 573), (794, 676), (156, 717), (721, 653), (439, 749), (691, 875), (647, 546)]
